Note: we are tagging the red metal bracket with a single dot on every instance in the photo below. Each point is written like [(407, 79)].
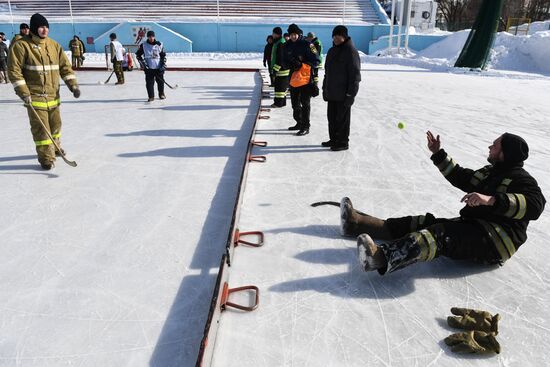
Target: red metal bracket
[(237, 240), (260, 117), (227, 291), (259, 143), (257, 158), (265, 109)]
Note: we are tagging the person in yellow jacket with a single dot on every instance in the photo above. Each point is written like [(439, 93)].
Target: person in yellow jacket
[(35, 65), (76, 51), (23, 31)]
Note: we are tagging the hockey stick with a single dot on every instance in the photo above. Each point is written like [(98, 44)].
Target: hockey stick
[(109, 78), (70, 163), (169, 86)]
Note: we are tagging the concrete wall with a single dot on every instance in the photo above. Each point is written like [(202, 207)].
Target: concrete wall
[(216, 37)]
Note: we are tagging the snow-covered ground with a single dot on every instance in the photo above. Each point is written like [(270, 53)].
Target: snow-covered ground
[(113, 263)]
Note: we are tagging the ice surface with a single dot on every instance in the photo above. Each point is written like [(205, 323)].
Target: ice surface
[(317, 308), (112, 263)]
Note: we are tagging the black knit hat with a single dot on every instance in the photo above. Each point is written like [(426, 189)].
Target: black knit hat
[(23, 26), (150, 34), (514, 148), (340, 30), (278, 30), (37, 21), (293, 28), (112, 36)]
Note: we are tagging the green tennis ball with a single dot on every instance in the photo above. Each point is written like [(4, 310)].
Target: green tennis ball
[(401, 125)]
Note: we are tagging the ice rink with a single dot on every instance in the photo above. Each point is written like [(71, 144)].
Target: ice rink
[(113, 263)]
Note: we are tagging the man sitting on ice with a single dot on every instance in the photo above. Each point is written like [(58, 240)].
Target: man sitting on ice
[(501, 199)]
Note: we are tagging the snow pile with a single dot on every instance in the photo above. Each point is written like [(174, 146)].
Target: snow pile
[(527, 54)]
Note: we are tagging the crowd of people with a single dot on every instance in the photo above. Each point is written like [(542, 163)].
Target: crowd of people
[(293, 62)]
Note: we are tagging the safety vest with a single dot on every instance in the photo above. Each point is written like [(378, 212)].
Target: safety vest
[(301, 76)]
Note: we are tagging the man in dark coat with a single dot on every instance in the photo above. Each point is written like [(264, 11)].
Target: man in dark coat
[(301, 56), (340, 86), (268, 48), (501, 198)]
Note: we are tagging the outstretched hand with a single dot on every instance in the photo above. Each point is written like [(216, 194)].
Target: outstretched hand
[(434, 144), (476, 199)]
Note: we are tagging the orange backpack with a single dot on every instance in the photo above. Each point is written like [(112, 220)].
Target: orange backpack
[(301, 76)]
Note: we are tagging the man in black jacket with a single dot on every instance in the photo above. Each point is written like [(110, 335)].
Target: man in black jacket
[(301, 56), (340, 86), (501, 199)]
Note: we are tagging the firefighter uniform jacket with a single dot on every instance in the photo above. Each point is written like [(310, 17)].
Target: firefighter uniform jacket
[(518, 199), (277, 59), (35, 67), (76, 48)]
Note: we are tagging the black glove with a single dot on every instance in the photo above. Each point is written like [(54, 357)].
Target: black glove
[(27, 100), (314, 90), (348, 101), (113, 59), (295, 64), (76, 92), (162, 68)]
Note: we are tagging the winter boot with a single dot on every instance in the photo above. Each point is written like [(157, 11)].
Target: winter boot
[(295, 127), (46, 166), (416, 246), (162, 96), (353, 223), (302, 132), (151, 99), (327, 144), (370, 256)]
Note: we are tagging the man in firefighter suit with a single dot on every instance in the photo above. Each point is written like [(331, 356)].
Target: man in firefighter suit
[(152, 58), (301, 56), (501, 199), (279, 68), (35, 65), (117, 56), (75, 46)]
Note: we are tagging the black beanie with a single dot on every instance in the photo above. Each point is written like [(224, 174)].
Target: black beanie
[(112, 36), (514, 148), (278, 30), (23, 26), (150, 34), (340, 30), (293, 28), (37, 21)]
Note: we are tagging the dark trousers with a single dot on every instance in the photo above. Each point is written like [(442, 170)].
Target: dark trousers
[(338, 122), (281, 85), (458, 238), (301, 105), (152, 75)]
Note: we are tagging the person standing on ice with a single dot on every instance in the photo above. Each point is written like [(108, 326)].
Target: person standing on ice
[(501, 199), (268, 48), (340, 86), (311, 37), (117, 56), (301, 56), (75, 46), (279, 69), (35, 65), (3, 60), (152, 59), (23, 31)]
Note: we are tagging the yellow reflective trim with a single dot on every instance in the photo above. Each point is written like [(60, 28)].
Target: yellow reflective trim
[(512, 205), (503, 187), (42, 142), (497, 239), (432, 246), (53, 103), (444, 163), (56, 136), (18, 83), (477, 178), (69, 77), (41, 67), (449, 168), (280, 94), (522, 203), (276, 67), (506, 239), (283, 73)]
